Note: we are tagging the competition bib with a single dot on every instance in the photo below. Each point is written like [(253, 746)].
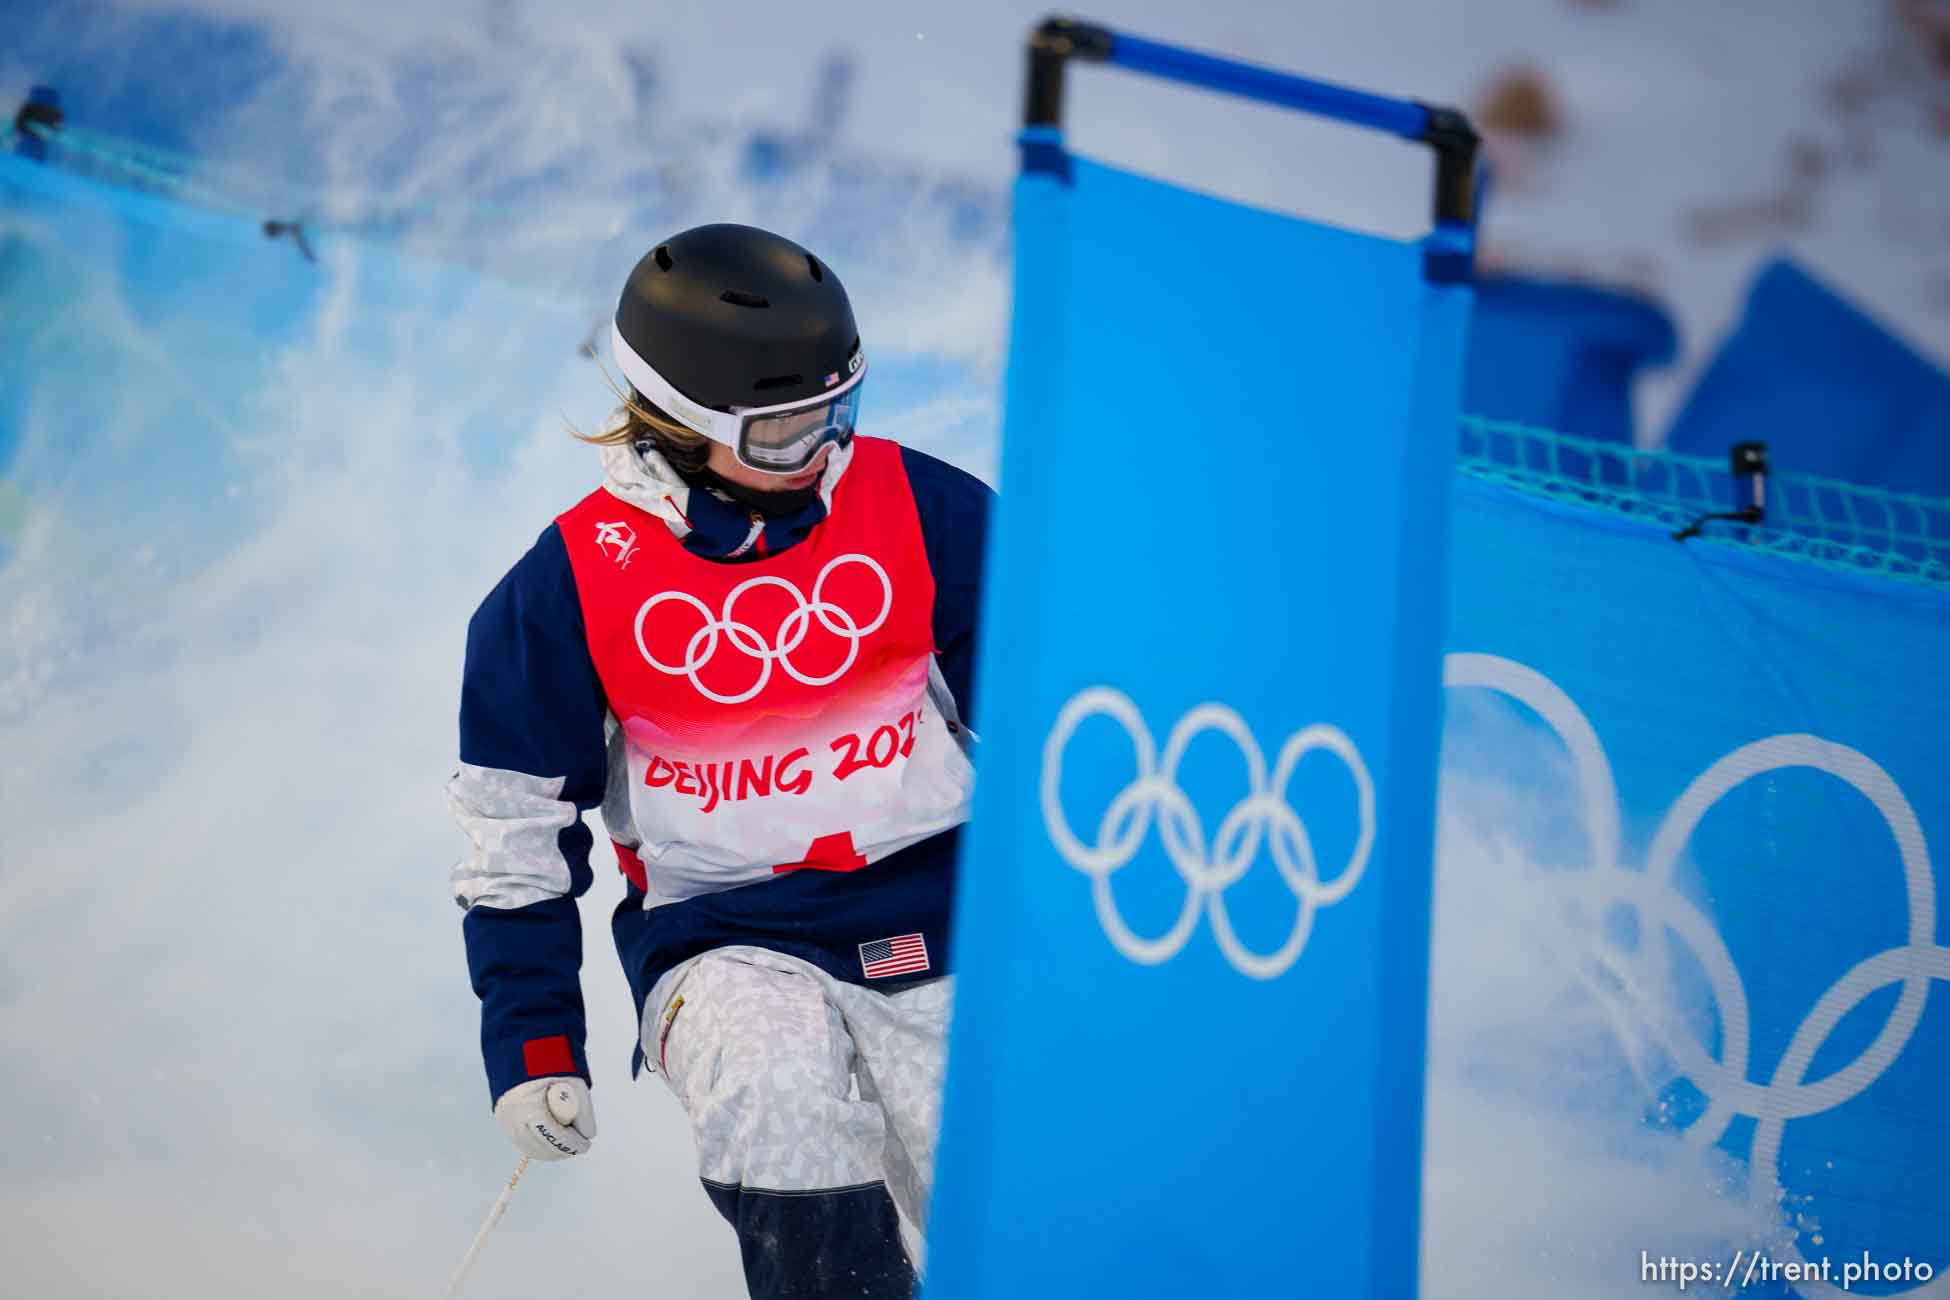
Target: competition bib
[(781, 713)]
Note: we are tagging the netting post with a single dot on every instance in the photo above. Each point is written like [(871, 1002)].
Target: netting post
[(40, 111)]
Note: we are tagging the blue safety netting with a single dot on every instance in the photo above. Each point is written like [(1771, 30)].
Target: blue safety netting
[(1846, 527), (146, 341)]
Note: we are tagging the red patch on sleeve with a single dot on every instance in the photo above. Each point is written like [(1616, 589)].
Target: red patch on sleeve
[(545, 1056)]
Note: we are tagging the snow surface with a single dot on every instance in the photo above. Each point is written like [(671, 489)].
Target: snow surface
[(238, 1041)]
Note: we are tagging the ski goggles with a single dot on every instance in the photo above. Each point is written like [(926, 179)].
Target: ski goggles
[(782, 439)]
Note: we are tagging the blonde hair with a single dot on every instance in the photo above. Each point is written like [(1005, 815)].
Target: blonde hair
[(637, 420)]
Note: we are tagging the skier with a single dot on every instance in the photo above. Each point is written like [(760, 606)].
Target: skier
[(751, 648)]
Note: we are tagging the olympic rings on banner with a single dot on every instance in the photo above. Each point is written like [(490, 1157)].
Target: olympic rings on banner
[(1208, 867), (1722, 1078)]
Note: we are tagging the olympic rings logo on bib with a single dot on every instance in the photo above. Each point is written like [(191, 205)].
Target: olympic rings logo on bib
[(1208, 867), (724, 629)]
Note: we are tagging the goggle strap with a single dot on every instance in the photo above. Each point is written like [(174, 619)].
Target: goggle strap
[(719, 426)]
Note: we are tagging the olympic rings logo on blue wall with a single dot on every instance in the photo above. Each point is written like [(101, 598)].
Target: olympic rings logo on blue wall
[(1208, 866), (1663, 909)]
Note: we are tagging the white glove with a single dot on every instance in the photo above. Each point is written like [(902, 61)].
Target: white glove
[(549, 1119)]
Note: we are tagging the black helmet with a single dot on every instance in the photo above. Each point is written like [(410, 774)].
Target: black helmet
[(745, 337)]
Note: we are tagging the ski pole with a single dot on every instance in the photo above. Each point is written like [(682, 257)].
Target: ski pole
[(562, 1105)]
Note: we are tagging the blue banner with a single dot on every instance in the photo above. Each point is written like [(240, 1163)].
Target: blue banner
[(1717, 781), (1193, 921), (1560, 355), (1832, 391)]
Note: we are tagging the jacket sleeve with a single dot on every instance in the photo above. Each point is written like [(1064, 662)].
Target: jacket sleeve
[(532, 760), (954, 509)]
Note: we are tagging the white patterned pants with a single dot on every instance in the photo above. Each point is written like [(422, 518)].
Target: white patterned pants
[(815, 1104)]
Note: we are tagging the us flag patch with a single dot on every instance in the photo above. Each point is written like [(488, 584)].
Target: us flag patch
[(903, 954)]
